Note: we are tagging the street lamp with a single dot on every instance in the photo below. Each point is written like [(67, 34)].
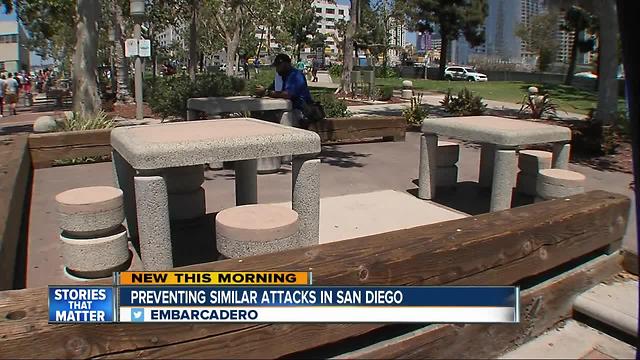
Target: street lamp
[(136, 9)]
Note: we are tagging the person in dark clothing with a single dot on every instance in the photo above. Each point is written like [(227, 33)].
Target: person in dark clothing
[(245, 66), (314, 69)]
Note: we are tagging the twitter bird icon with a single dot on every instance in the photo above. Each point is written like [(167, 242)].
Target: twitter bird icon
[(137, 315)]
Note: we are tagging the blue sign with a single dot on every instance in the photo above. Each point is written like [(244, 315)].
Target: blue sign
[(434, 296), (86, 304)]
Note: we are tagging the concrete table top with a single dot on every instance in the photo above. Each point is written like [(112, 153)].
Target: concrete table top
[(199, 142), (216, 105), (496, 130)]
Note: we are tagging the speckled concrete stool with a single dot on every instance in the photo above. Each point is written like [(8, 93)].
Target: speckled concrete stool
[(530, 162), (448, 156), (94, 242), (257, 229), (559, 183)]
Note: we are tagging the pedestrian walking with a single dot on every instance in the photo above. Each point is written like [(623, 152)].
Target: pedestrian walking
[(2, 81), (11, 93)]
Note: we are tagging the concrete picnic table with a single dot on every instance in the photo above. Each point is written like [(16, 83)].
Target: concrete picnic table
[(500, 138), (149, 159), (234, 104)]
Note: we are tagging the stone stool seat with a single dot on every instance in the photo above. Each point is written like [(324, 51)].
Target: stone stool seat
[(255, 229), (90, 210), (94, 242), (559, 183), (530, 163)]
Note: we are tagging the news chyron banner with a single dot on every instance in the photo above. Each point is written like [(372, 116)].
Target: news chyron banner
[(274, 297)]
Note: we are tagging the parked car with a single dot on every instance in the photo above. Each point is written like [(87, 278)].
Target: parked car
[(461, 73)]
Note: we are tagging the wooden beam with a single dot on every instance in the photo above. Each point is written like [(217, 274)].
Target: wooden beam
[(498, 248), (15, 183), (542, 307), (48, 147)]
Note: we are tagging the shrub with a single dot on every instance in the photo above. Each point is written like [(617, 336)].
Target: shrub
[(168, 95), (387, 72), (465, 104), (77, 122), (334, 107), (415, 113), (335, 71), (537, 106), (385, 93)]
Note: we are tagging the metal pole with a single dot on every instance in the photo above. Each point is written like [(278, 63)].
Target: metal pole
[(138, 74)]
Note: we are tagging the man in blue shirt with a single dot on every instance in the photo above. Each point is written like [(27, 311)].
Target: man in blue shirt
[(292, 84)]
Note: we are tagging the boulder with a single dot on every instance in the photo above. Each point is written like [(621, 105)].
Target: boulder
[(45, 124), (407, 84)]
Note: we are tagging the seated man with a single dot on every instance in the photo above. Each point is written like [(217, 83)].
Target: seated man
[(290, 84)]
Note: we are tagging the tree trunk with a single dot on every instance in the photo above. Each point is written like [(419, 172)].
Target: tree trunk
[(574, 57), (444, 47), (86, 99), (193, 40), (232, 49), (608, 67), (122, 64), (347, 63)]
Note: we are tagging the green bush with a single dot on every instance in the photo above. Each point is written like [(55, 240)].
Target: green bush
[(387, 72), (415, 113), (385, 93), (168, 95), (465, 104), (333, 107), (335, 71)]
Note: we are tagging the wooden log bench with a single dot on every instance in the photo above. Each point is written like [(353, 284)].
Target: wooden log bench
[(389, 128), (553, 250)]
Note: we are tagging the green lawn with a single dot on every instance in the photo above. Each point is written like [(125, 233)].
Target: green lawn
[(567, 98)]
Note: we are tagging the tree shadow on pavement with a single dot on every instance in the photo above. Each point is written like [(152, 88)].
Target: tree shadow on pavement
[(333, 156)]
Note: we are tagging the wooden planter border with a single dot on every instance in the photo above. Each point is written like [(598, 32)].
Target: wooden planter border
[(498, 248)]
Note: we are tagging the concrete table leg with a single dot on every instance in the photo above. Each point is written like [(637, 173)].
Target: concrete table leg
[(560, 158), (306, 198), (246, 182), (503, 181), (124, 174), (152, 203), (288, 118), (428, 166), (487, 155)]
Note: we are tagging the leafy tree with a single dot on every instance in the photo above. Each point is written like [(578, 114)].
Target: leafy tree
[(577, 20), (299, 23), (539, 35), (453, 18)]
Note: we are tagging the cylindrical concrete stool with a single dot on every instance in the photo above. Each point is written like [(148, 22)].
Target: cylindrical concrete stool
[(256, 229), (94, 242), (530, 163), (559, 183), (448, 156)]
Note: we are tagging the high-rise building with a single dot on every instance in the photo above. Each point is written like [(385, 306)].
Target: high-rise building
[(14, 54)]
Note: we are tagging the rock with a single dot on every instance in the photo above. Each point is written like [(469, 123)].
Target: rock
[(407, 94), (45, 124), (407, 84), (532, 90)]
